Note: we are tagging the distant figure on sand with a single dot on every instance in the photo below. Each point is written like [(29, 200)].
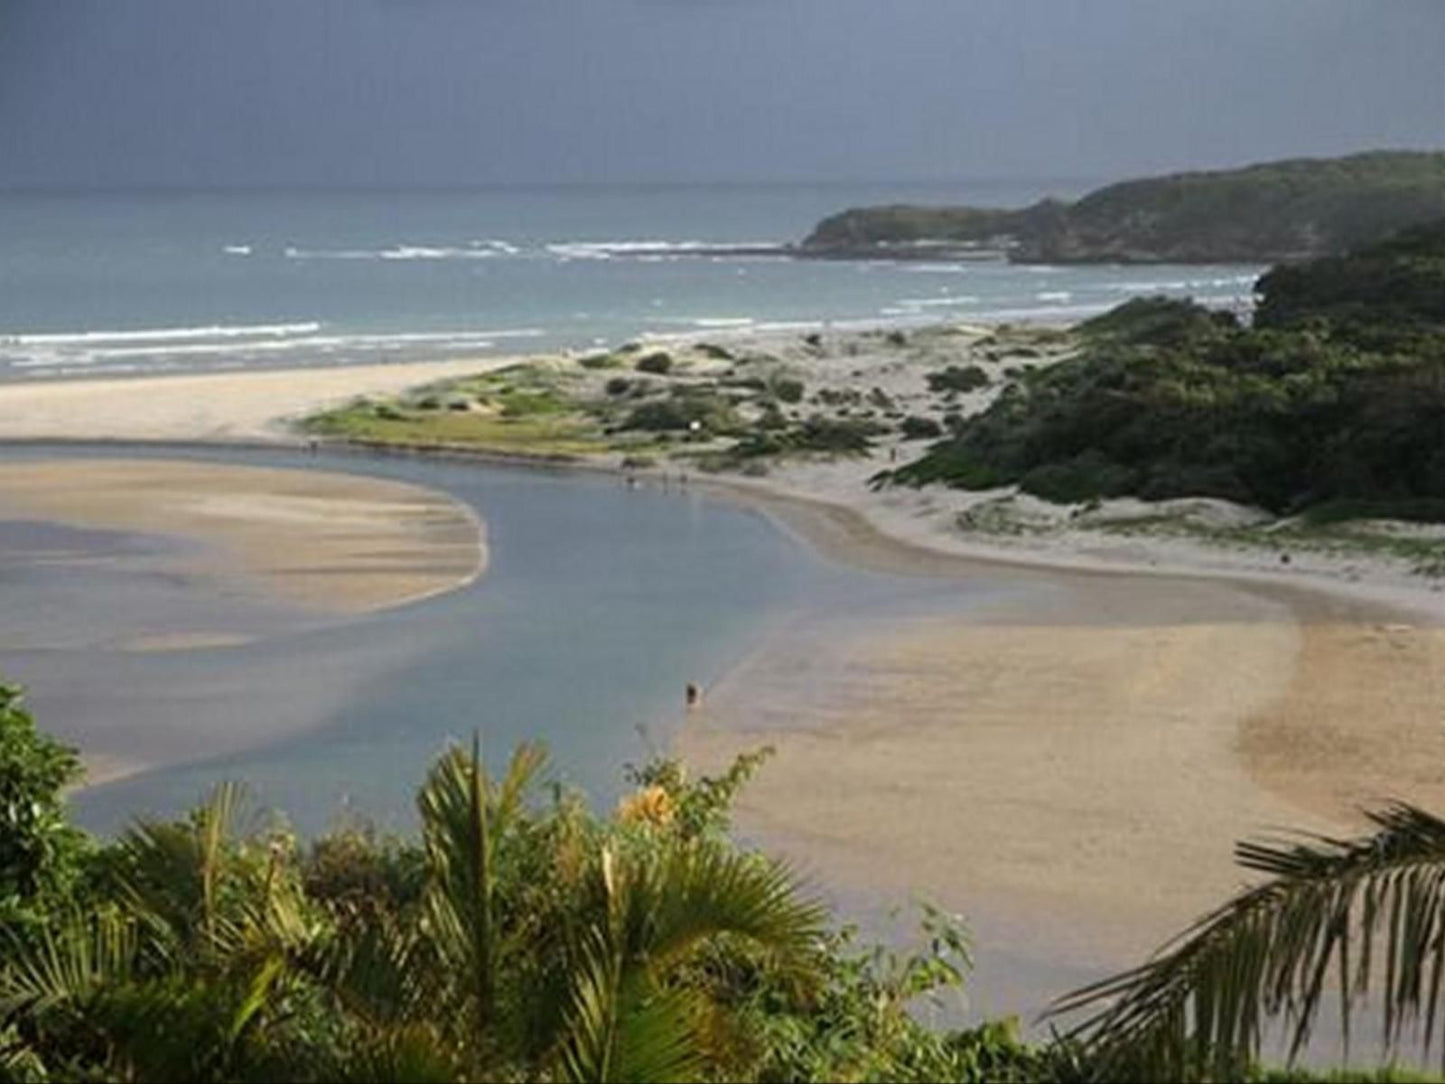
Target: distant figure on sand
[(694, 694)]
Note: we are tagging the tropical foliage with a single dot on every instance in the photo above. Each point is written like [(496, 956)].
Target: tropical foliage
[(1341, 918), (38, 849), (522, 936)]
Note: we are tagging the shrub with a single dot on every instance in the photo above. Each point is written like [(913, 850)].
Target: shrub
[(680, 411), (618, 385), (600, 361), (788, 389), (958, 378), (658, 362), (914, 427), (38, 849)]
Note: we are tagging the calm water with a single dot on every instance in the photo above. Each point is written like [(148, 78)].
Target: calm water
[(126, 283), (599, 604)]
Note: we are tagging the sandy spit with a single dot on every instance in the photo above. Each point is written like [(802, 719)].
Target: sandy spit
[(335, 542), (205, 406)]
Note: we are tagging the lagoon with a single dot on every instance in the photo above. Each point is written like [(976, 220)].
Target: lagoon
[(600, 602)]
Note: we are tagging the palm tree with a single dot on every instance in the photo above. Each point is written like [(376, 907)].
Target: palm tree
[(559, 945), (1347, 917), (590, 991), (175, 982)]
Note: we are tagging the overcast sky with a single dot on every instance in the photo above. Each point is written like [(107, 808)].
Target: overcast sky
[(460, 92)]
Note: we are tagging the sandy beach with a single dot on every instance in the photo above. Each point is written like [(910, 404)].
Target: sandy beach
[(1069, 774), (334, 542), (210, 406)]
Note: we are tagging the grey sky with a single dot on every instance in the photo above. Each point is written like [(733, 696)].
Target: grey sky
[(458, 92)]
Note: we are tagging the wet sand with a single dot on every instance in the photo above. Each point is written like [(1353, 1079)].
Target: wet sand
[(1069, 772), (336, 543)]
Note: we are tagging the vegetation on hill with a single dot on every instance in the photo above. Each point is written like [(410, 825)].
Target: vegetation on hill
[(523, 936), (1264, 213), (1334, 397)]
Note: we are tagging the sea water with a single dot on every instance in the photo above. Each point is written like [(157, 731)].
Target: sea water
[(128, 283)]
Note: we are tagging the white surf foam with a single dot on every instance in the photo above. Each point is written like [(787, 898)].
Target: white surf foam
[(159, 335), (937, 302), (652, 250)]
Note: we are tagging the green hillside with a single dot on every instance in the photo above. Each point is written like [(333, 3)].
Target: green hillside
[(1275, 211)]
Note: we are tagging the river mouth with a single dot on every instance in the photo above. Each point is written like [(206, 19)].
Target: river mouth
[(599, 604)]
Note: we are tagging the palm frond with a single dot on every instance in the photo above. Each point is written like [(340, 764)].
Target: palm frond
[(623, 1027), (67, 964), (414, 1053), (1329, 910), (703, 891), (464, 818), (378, 968), (175, 870)]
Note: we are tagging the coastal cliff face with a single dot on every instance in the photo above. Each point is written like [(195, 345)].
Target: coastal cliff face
[(1269, 213)]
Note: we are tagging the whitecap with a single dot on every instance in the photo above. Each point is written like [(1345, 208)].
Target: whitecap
[(938, 302), (165, 334)]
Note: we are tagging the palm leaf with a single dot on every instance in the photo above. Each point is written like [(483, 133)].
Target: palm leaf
[(625, 1028), (175, 870), (464, 817), (67, 964), (1329, 909), (703, 891)]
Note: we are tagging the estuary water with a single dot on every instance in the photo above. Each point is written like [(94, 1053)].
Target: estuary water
[(599, 604), (126, 283)]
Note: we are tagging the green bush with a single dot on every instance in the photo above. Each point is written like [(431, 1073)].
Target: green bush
[(618, 385), (600, 361), (686, 409), (658, 362), (958, 378), (38, 848), (788, 389), (914, 427)]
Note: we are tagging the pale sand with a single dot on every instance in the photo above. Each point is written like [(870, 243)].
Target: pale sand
[(205, 406), (339, 543), (1070, 772)]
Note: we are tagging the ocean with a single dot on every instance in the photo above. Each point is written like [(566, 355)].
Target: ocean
[(131, 283)]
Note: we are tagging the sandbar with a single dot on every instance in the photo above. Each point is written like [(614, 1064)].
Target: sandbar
[(334, 542)]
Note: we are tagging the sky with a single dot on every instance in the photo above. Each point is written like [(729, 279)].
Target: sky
[(458, 93)]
